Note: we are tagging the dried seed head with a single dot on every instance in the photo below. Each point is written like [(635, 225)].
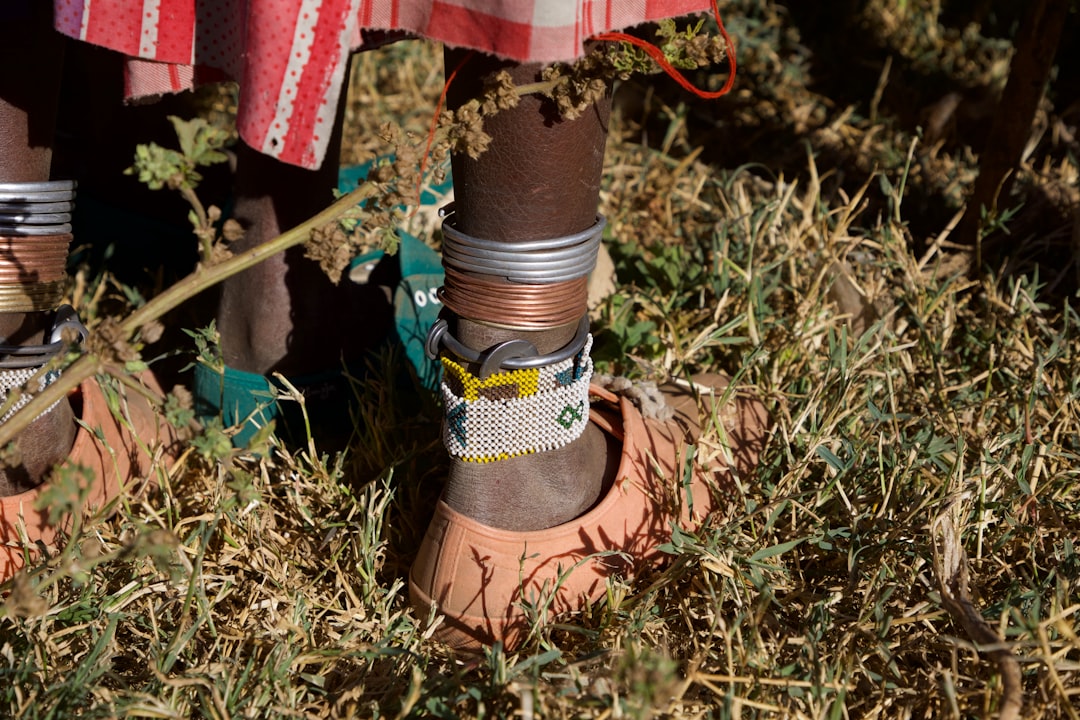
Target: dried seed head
[(331, 248), (218, 253), (466, 134), (500, 94), (183, 397), (232, 230), (151, 332), (110, 341)]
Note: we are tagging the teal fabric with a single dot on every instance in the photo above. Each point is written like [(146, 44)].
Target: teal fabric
[(417, 306), (235, 396), (350, 177), (247, 399), (242, 397)]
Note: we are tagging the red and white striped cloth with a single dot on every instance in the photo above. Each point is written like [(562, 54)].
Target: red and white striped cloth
[(290, 56)]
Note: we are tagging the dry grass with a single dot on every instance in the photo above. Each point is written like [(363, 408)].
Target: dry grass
[(927, 426)]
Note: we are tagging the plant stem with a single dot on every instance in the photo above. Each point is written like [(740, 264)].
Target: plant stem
[(203, 278), (542, 87), (206, 277), (204, 229), (83, 368), (196, 204)]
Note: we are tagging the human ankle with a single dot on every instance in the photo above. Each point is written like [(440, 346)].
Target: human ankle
[(525, 488), (285, 315), (50, 436), (536, 491), (522, 336), (35, 233)]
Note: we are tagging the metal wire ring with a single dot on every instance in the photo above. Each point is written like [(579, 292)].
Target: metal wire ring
[(36, 197), (516, 254), (53, 207), (546, 261), (32, 297), (439, 336), (63, 229), (35, 187), (450, 230), (516, 263), (527, 267), (34, 218), (26, 356), (538, 277)]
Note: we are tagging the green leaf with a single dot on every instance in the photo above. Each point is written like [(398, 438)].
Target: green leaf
[(156, 166), (775, 550), (834, 462), (200, 142)]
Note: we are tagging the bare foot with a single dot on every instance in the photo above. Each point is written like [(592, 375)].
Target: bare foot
[(484, 580), (534, 492)]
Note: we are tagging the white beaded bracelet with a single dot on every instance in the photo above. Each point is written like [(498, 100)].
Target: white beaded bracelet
[(15, 381), (515, 412)]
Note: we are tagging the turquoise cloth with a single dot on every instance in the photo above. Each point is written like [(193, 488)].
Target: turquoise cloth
[(417, 306), (247, 399), (242, 397), (235, 396)]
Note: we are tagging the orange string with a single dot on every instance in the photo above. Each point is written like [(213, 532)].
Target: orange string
[(434, 127), (658, 56), (651, 50)]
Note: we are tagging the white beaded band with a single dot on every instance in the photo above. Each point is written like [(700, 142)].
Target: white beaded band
[(15, 381), (515, 412)]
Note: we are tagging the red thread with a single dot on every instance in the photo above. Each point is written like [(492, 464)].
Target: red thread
[(434, 127), (651, 50), (658, 56)]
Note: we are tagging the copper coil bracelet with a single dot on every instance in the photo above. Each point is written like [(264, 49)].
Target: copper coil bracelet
[(29, 356), (517, 305), (33, 260), (30, 297)]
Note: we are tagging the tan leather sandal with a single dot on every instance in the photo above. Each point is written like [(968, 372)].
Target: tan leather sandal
[(114, 459), (480, 578)]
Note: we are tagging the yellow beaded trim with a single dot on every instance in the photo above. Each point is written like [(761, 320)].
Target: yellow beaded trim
[(495, 458), (515, 412), (526, 380)]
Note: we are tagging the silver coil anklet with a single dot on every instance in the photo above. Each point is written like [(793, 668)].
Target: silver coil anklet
[(509, 355), (550, 261), (519, 402), (36, 208)]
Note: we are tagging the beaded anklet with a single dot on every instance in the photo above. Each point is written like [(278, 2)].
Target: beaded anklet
[(19, 364), (18, 381), (515, 412)]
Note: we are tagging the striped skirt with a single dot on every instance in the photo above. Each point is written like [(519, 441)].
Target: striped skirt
[(290, 56)]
